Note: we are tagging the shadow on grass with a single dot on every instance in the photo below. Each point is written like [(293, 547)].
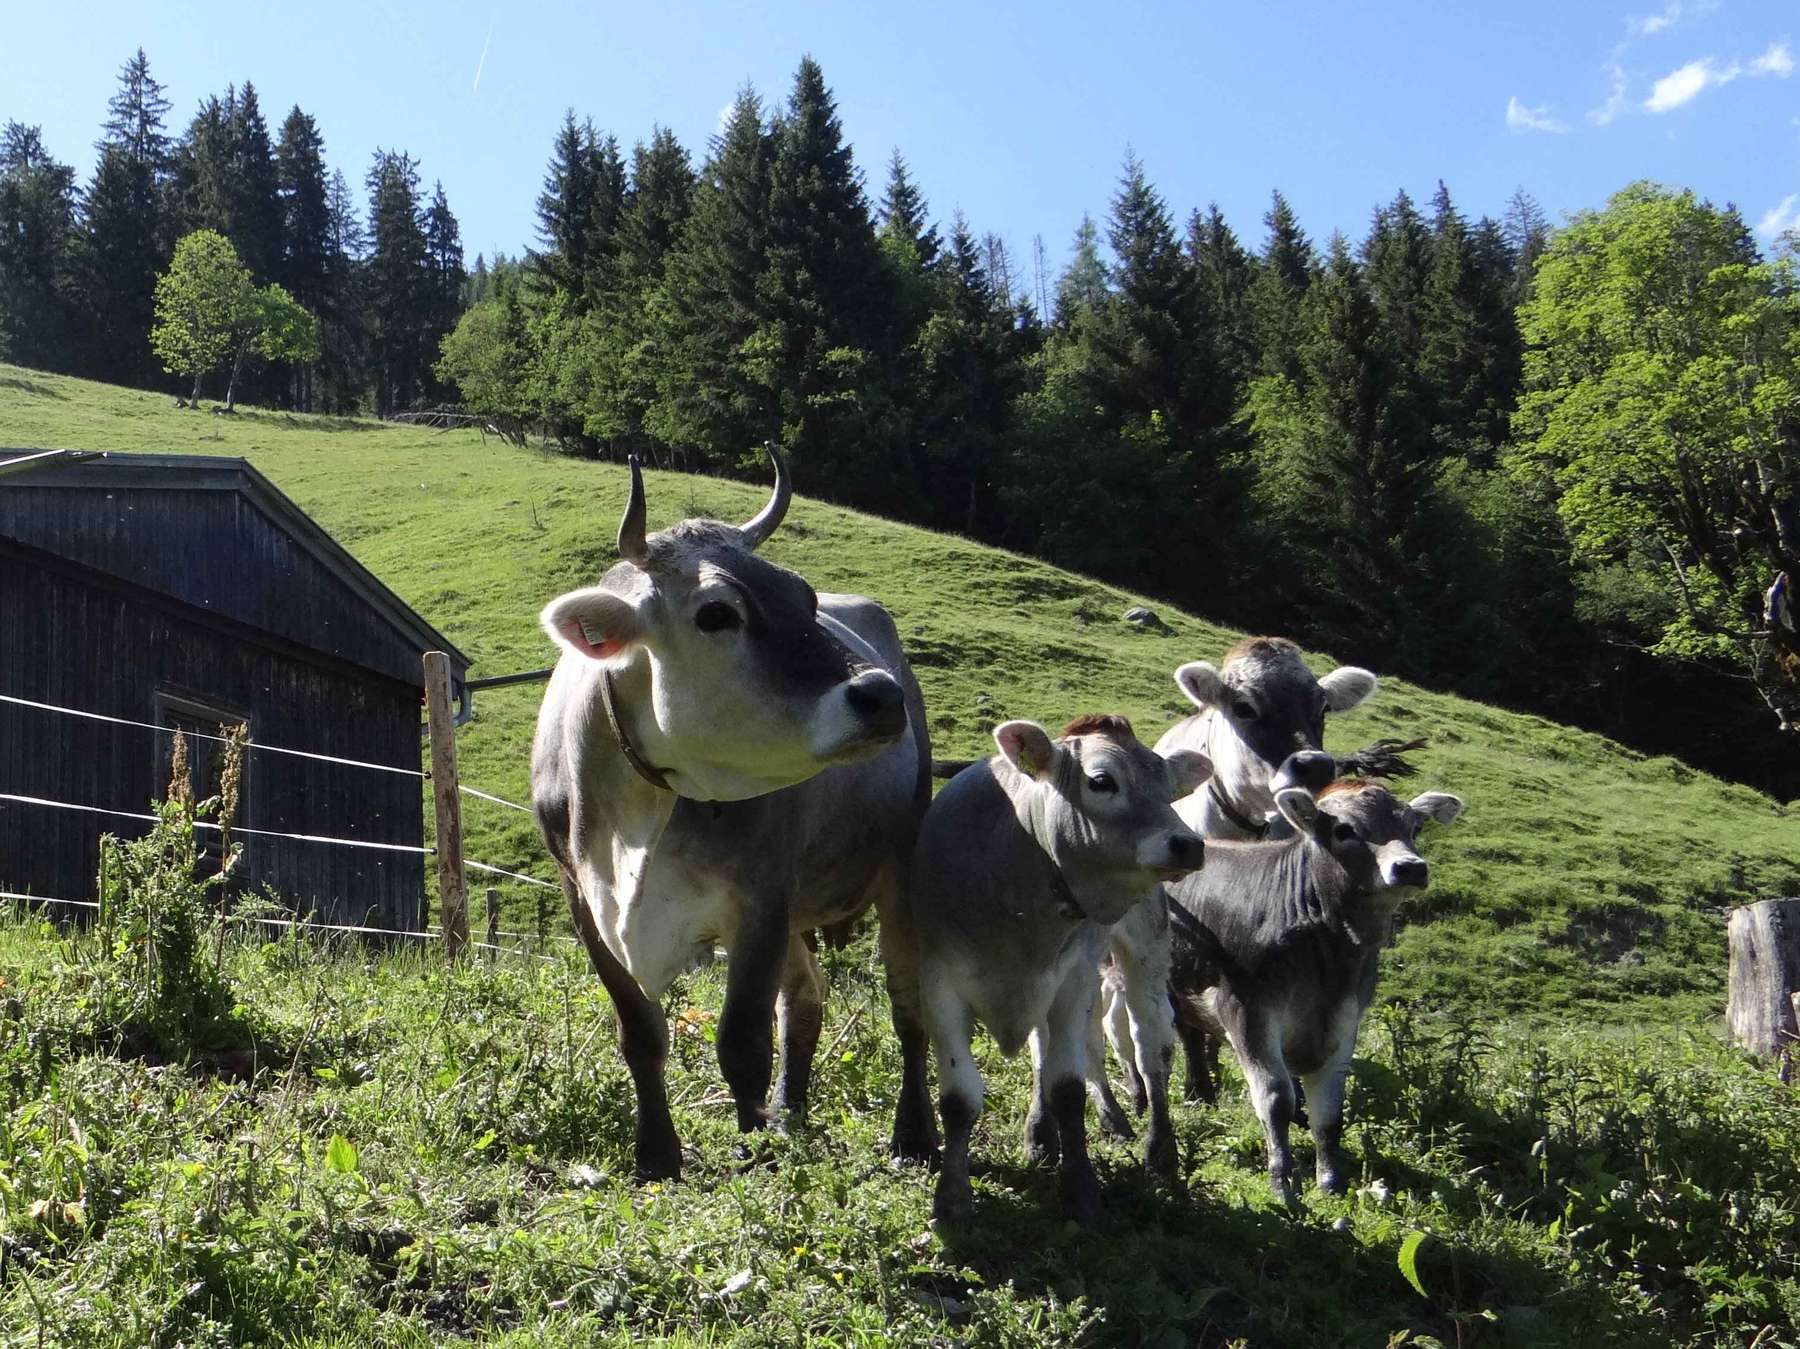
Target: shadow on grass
[(32, 387), (289, 421), (1203, 1269)]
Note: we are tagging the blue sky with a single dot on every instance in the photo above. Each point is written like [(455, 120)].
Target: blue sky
[(1018, 114)]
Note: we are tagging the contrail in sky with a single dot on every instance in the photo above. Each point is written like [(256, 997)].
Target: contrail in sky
[(483, 61)]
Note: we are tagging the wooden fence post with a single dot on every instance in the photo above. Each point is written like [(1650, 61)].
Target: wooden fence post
[(1764, 997), (543, 918), (452, 895), (493, 925)]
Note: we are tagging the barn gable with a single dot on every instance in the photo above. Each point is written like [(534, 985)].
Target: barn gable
[(214, 533), (140, 594)]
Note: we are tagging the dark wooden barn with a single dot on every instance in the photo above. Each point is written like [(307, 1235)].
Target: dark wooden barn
[(186, 591)]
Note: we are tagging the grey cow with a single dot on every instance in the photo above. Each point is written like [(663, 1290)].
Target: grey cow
[(1278, 945), (1024, 862), (723, 756)]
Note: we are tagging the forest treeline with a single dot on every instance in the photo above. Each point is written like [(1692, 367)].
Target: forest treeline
[(1366, 444), (78, 264)]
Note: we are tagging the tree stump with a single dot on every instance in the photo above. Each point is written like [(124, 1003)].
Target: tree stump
[(1764, 997)]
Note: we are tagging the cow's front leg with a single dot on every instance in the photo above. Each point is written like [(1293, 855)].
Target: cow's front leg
[(746, 1042), (644, 1042), (1325, 1105), (1064, 1039), (799, 1012), (1043, 1144), (1272, 1096), (1144, 979), (959, 1099)]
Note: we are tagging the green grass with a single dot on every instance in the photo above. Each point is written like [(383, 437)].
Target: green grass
[(1571, 1190), (1584, 880), (1542, 1115)]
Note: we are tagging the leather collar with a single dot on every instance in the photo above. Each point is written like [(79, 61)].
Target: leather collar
[(1257, 829), (645, 770)]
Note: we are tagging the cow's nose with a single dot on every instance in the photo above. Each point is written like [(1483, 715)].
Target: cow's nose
[(1312, 769), (875, 697), (1412, 872), (1187, 850)]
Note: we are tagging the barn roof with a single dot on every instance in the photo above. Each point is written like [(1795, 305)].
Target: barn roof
[(214, 533)]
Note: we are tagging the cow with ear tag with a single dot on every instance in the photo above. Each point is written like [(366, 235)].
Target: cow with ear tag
[(1278, 944), (724, 756), (1024, 862)]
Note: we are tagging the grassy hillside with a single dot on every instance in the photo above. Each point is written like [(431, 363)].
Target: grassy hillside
[(1585, 877), (411, 1154)]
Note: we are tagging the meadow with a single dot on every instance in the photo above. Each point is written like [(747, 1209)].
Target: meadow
[(1551, 1144)]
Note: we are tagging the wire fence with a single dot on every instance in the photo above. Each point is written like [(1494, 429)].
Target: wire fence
[(491, 946)]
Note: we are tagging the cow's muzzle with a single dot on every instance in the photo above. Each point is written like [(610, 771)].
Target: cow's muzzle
[(878, 703)]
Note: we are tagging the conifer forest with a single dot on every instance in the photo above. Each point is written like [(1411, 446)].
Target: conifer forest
[(1550, 464)]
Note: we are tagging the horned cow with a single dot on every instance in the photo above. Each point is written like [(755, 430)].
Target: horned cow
[(723, 756), (1024, 862)]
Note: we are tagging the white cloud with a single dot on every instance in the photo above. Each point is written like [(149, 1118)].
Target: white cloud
[(1780, 218), (1685, 83), (1608, 112), (724, 117), (1650, 24), (1777, 61), (1521, 118)]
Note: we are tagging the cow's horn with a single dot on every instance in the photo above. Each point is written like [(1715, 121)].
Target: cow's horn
[(763, 523), (631, 529)]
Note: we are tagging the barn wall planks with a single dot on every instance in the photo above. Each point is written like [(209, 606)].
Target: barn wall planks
[(84, 640)]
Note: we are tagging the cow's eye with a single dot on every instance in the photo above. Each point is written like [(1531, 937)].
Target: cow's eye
[(715, 616), (1243, 711), (1102, 782), (1344, 833)]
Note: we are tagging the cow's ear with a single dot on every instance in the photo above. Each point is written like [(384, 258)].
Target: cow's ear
[(1348, 686), (1298, 808), (594, 623), (1439, 806), (1190, 769), (1200, 680), (1026, 746)]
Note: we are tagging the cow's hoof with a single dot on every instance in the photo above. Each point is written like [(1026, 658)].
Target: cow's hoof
[(913, 1147), (1039, 1152), (1284, 1192), (1080, 1193), (1116, 1122), (1332, 1182), (1162, 1156), (658, 1168), (953, 1205)]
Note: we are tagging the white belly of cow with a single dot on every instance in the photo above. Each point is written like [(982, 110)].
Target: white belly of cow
[(670, 925)]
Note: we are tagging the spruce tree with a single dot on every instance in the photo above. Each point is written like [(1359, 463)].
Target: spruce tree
[(1282, 279), (37, 212), (606, 216), (1084, 286), (341, 375), (661, 199), (255, 224), (905, 215), (397, 299), (305, 267), (565, 208), (134, 117), (1223, 273), (1398, 258), (444, 279), (826, 314), (116, 262), (708, 394)]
